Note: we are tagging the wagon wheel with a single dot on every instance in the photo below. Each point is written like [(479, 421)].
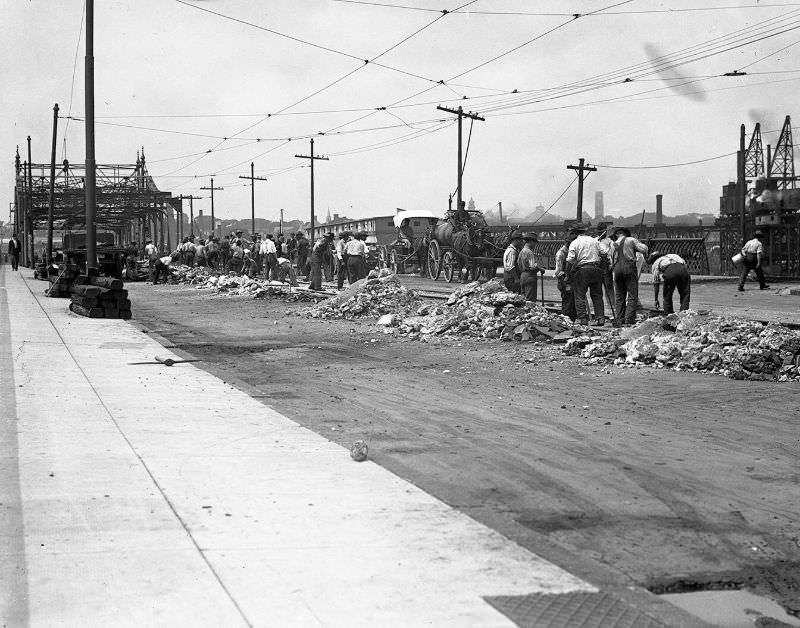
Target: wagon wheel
[(449, 267), (434, 258), (394, 262)]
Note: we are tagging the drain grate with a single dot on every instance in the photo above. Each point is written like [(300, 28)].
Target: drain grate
[(571, 610)]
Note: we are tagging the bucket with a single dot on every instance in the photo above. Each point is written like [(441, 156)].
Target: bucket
[(737, 259)]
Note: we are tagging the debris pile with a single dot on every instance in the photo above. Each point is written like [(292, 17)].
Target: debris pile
[(377, 295), (234, 285), (486, 310), (689, 341), (193, 274)]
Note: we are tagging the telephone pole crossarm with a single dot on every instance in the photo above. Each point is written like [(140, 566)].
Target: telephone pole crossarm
[(580, 169), (312, 158), (252, 178), (461, 115), (213, 219)]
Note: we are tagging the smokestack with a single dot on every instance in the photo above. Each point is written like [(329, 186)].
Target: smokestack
[(659, 209), (201, 213), (599, 209), (500, 210)]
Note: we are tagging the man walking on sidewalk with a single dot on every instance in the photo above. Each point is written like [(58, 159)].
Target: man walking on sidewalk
[(753, 251), (14, 250)]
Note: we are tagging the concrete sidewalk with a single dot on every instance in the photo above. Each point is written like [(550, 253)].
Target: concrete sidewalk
[(160, 496)]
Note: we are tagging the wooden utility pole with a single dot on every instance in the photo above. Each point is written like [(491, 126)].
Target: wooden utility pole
[(461, 115), (52, 188), (191, 214), (280, 228), (313, 158), (213, 220), (89, 176), (581, 168), (741, 184), (253, 180)]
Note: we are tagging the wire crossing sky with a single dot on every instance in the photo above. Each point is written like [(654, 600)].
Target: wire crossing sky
[(654, 90)]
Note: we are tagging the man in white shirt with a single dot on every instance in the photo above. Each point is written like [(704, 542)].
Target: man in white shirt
[(672, 269), (583, 261), (341, 257), (511, 274), (269, 257), (564, 286), (753, 251), (356, 251), (151, 253)]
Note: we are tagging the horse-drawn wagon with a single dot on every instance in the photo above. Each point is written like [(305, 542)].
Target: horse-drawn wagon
[(409, 250)]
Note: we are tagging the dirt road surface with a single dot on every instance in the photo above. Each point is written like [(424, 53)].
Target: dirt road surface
[(636, 476)]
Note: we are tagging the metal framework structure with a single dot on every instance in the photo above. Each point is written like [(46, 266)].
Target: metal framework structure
[(781, 166), (754, 156), (129, 203)]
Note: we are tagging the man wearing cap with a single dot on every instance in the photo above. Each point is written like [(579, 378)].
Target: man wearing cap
[(673, 269), (564, 286), (151, 253), (319, 254), (626, 275), (528, 268), (269, 257), (583, 261), (510, 268), (341, 257), (752, 251)]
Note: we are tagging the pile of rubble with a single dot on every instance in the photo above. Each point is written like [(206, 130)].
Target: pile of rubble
[(379, 294), (689, 341), (234, 285), (485, 311)]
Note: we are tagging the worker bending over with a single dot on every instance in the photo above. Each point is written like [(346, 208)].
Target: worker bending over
[(672, 269)]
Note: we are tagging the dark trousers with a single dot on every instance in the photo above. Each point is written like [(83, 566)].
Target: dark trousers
[(270, 266), (676, 276), (15, 261), (341, 272), (355, 267), (511, 280), (567, 299), (626, 288), (153, 271), (750, 261), (316, 276), (302, 259), (189, 258), (589, 277), (160, 268), (527, 283)]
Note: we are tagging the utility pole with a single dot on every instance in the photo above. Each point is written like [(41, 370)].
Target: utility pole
[(191, 214), (313, 159), (253, 180), (89, 179), (581, 168), (212, 188), (52, 187), (28, 248), (461, 115), (280, 228), (741, 183)]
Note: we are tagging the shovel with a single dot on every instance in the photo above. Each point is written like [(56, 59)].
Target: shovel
[(165, 361)]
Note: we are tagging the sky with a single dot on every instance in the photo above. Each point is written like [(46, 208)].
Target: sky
[(178, 77)]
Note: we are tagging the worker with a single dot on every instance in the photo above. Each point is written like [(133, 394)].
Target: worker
[(285, 271), (583, 264), (528, 268), (302, 253), (606, 243), (510, 268), (131, 252), (249, 265), (269, 256), (356, 251), (151, 253), (212, 252), (675, 274), (319, 253), (341, 259), (201, 253), (188, 252), (564, 285), (291, 246), (162, 266), (626, 275), (753, 251)]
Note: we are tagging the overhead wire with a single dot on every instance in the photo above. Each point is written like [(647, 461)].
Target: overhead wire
[(72, 85)]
